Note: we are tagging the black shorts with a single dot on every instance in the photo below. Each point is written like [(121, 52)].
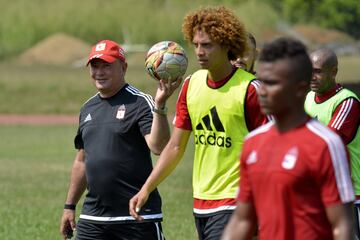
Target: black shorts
[(212, 227), (125, 231), (357, 220)]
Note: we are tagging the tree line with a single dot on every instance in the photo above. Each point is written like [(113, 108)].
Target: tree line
[(343, 15)]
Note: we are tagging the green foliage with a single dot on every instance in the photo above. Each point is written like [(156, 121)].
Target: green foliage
[(304, 10), (343, 15), (340, 14), (34, 177)]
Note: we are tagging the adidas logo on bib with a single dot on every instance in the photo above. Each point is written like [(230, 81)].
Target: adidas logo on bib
[(213, 131)]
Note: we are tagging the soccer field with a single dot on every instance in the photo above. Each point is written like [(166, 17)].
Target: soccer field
[(34, 176)]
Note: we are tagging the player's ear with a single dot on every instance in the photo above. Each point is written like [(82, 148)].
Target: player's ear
[(334, 71), (257, 51), (124, 66)]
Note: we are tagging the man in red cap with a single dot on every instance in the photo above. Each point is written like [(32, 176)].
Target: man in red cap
[(118, 127)]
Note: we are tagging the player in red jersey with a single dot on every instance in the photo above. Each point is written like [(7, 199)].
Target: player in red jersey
[(295, 182)]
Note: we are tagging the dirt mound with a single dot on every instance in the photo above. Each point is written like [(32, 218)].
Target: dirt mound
[(321, 36), (313, 36), (58, 49)]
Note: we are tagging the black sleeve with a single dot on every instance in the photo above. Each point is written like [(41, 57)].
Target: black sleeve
[(78, 141), (145, 115)]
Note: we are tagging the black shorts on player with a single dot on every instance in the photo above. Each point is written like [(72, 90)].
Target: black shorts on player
[(140, 231), (357, 220), (212, 227)]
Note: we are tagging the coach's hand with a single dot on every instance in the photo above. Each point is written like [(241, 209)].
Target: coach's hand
[(136, 203), (67, 224)]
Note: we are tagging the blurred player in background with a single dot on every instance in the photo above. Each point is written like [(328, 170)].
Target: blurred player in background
[(247, 62), (219, 105), (339, 109), (118, 127), (295, 181)]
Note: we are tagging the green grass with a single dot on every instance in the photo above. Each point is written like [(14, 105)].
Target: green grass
[(349, 70), (34, 176), (62, 90), (40, 89), (35, 162), (24, 23), (43, 89)]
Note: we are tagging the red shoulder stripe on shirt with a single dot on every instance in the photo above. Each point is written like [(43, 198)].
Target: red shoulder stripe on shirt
[(256, 83), (343, 113), (338, 157)]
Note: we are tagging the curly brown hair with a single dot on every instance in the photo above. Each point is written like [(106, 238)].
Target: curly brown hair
[(222, 26)]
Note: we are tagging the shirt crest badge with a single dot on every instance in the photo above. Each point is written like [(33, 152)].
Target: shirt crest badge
[(121, 112), (290, 158), (252, 158)]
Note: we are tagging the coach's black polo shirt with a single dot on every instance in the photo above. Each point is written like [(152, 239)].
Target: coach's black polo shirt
[(117, 158)]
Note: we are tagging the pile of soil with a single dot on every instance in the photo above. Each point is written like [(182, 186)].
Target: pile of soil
[(312, 35), (322, 36), (57, 49)]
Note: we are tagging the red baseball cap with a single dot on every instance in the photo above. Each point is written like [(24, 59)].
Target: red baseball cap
[(108, 51)]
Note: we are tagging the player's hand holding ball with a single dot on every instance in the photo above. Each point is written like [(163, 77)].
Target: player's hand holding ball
[(166, 62)]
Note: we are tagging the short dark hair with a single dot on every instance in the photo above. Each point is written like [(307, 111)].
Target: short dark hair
[(292, 49)]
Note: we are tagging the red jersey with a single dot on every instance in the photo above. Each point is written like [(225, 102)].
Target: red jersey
[(292, 177), (253, 117), (345, 119)]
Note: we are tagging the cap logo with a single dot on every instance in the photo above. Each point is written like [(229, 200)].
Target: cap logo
[(100, 47), (121, 52)]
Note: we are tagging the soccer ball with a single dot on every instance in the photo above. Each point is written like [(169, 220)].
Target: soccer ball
[(166, 60)]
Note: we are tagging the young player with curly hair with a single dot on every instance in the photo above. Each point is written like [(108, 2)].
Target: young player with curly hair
[(219, 105)]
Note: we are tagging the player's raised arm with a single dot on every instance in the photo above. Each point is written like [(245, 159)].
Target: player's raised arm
[(166, 62), (160, 130)]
